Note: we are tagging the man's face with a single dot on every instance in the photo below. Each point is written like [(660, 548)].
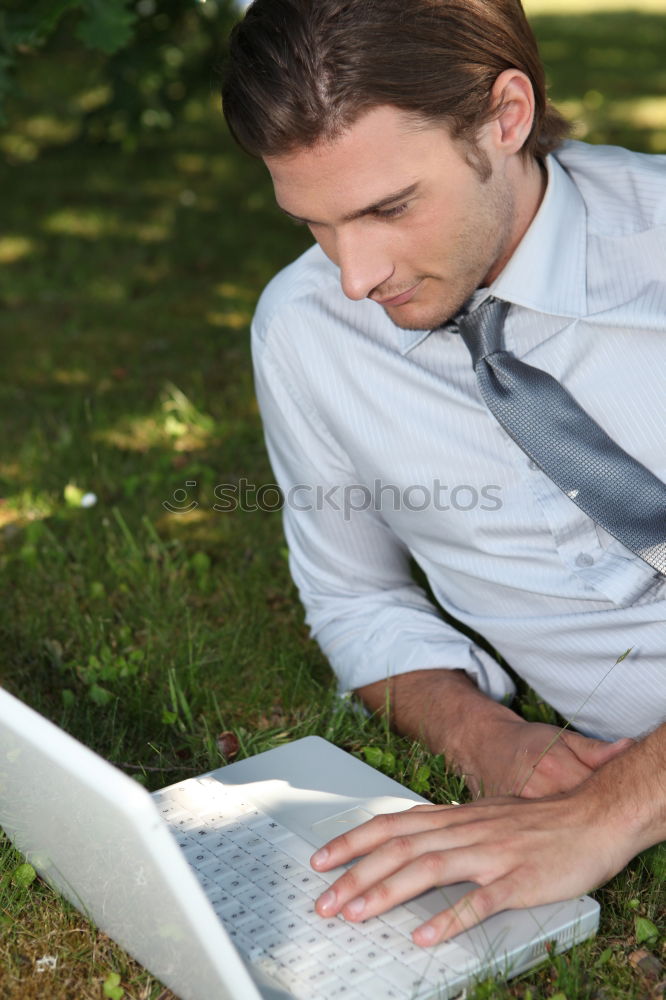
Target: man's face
[(408, 221)]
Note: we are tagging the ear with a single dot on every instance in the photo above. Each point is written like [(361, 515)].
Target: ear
[(513, 97)]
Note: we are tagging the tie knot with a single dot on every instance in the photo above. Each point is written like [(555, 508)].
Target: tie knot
[(482, 329)]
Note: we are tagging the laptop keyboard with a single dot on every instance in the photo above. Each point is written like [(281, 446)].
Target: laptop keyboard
[(257, 876)]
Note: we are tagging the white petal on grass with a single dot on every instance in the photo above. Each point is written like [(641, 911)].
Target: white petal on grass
[(46, 962)]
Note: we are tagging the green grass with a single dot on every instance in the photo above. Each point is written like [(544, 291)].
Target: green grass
[(128, 282)]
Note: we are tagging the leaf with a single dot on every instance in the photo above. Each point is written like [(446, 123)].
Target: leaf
[(107, 25), (73, 495), (645, 930), (200, 563), (68, 698), (54, 651), (112, 988), (25, 874), (99, 695), (373, 756), (227, 744), (646, 963)]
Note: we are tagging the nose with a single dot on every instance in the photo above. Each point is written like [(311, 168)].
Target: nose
[(364, 263)]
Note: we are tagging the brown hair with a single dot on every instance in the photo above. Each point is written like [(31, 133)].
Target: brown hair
[(301, 71)]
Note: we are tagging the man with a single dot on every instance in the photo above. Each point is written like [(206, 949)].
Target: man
[(417, 143)]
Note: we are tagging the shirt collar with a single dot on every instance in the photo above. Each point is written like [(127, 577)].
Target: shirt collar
[(547, 271)]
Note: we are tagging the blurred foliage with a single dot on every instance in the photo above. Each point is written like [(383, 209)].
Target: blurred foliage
[(122, 68)]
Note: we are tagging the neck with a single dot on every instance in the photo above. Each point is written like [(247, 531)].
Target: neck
[(527, 188)]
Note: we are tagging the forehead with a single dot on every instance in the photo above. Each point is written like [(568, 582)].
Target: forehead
[(385, 150)]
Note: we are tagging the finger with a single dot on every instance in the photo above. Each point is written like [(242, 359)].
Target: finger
[(469, 911), (594, 753), (436, 868), (368, 836), (406, 866)]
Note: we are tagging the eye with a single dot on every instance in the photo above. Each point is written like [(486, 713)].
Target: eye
[(391, 213)]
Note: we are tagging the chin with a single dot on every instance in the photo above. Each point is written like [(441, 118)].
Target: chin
[(401, 317)]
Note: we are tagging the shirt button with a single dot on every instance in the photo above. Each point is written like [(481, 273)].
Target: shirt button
[(584, 559), (532, 465)]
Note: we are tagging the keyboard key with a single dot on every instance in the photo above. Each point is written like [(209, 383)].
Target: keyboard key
[(296, 960), (400, 976), (332, 954), (308, 883), (387, 937), (269, 856), (353, 971), (254, 898), (352, 941), (320, 978), (376, 989), (298, 849), (290, 925), (397, 916), (270, 910), (373, 956), (290, 897), (274, 887), (313, 941), (334, 928), (270, 830), (254, 929), (340, 991)]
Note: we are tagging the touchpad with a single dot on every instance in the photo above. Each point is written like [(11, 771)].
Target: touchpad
[(325, 829)]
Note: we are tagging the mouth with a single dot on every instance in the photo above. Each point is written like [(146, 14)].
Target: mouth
[(399, 300)]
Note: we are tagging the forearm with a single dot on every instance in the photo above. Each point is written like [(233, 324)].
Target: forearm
[(442, 708), (498, 752), (631, 788)]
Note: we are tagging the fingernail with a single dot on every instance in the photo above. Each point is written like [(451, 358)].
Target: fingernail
[(425, 935), (326, 901), (355, 908), (320, 857)]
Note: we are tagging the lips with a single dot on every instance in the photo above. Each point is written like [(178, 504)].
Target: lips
[(399, 300)]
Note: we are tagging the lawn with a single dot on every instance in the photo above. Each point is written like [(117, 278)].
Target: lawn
[(128, 279)]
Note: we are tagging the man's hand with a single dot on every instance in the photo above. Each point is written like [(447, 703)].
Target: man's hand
[(532, 760), (498, 752), (520, 852)]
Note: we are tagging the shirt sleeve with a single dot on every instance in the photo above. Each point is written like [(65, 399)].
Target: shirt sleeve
[(353, 574)]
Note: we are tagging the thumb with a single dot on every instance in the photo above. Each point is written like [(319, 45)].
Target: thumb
[(594, 753)]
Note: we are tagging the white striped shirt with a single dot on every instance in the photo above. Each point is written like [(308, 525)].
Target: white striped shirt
[(392, 420)]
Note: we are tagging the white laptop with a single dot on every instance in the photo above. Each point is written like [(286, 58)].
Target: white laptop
[(207, 882)]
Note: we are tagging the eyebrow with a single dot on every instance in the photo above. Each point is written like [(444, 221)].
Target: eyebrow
[(359, 213)]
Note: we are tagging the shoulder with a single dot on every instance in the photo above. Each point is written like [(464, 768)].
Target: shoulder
[(623, 191), (301, 289)]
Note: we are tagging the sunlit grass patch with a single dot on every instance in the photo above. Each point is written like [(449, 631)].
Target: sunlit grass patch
[(175, 422), (15, 248)]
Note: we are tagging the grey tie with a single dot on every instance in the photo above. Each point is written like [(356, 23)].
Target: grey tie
[(545, 421)]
